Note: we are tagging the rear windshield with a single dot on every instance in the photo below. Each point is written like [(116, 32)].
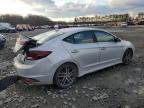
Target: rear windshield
[(44, 37)]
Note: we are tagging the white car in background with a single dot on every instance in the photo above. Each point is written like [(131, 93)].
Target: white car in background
[(7, 28), (124, 24), (60, 56)]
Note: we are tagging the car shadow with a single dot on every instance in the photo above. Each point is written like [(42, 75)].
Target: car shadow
[(84, 80)]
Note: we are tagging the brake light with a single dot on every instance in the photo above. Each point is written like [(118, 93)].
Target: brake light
[(35, 55)]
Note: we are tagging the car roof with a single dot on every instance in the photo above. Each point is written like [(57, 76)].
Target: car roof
[(77, 29)]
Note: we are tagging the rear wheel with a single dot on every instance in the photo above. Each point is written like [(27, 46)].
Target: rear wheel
[(127, 57), (65, 75)]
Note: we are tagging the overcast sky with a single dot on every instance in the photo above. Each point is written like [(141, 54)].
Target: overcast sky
[(68, 9)]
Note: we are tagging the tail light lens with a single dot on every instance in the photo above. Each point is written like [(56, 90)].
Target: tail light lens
[(35, 55)]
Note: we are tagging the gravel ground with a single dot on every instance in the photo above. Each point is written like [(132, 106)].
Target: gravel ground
[(115, 87)]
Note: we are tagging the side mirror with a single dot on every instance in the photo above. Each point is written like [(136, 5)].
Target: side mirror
[(117, 39)]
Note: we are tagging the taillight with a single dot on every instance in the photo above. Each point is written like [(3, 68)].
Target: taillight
[(35, 55)]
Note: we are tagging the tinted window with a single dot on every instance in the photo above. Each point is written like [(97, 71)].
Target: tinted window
[(69, 39), (83, 37), (104, 36)]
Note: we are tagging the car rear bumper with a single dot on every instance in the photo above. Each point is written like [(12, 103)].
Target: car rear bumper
[(39, 72)]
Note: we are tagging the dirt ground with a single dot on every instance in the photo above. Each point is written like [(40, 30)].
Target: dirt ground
[(115, 87)]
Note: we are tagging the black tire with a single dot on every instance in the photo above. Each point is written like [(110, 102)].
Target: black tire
[(127, 57), (2, 46), (65, 75), (8, 81)]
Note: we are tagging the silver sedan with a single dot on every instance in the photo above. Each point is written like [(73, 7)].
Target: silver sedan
[(60, 56)]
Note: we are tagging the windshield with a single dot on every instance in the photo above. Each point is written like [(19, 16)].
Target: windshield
[(44, 37)]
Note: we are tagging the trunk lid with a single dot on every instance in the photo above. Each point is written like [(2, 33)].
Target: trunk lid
[(24, 43)]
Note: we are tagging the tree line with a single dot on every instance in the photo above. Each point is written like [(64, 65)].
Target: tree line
[(106, 18), (35, 20)]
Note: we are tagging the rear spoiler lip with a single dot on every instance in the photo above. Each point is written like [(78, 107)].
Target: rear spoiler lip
[(31, 39), (27, 37)]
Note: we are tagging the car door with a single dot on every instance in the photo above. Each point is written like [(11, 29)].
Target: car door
[(111, 51), (83, 49)]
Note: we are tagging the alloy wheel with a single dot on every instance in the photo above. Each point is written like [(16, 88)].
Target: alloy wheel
[(127, 56), (66, 75)]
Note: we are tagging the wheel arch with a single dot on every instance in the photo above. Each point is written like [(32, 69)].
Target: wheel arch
[(129, 49), (77, 66), (125, 52)]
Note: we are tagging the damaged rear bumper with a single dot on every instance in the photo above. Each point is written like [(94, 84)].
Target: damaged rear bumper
[(35, 73)]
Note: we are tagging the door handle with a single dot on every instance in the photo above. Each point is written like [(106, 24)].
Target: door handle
[(74, 51), (102, 48)]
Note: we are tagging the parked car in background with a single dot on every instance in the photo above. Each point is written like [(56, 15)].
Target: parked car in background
[(124, 24), (7, 28), (45, 27), (24, 27), (60, 56), (2, 41), (140, 22), (131, 23)]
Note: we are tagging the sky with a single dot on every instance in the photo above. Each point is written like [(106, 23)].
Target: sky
[(66, 10)]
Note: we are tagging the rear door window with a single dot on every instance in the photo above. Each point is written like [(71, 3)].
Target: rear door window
[(83, 37)]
